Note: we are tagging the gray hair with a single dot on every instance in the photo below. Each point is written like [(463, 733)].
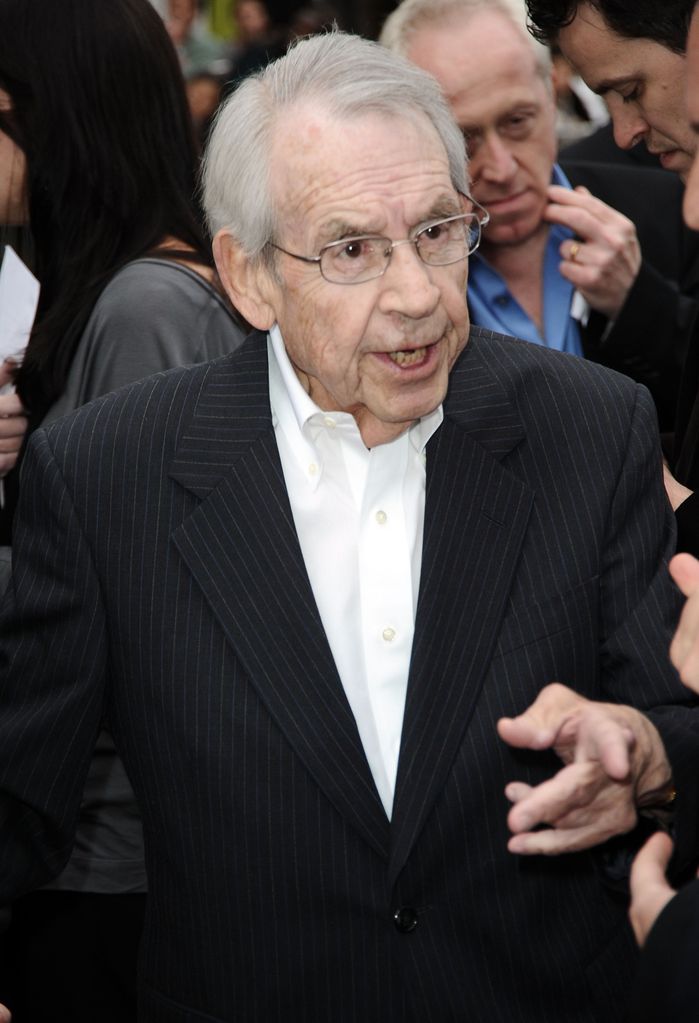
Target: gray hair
[(412, 15), (345, 76)]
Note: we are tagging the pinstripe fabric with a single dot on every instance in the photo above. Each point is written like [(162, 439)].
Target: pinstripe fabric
[(158, 577)]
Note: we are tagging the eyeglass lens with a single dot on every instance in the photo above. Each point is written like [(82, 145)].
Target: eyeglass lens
[(355, 260)]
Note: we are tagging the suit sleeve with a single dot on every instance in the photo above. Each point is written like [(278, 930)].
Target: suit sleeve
[(640, 608), (52, 667), (666, 983), (650, 338), (687, 516)]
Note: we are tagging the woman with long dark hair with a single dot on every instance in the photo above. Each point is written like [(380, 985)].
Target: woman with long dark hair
[(98, 149)]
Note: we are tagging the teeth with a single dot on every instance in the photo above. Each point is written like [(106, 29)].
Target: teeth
[(408, 358)]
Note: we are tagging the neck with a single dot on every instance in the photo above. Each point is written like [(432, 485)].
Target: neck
[(522, 268)]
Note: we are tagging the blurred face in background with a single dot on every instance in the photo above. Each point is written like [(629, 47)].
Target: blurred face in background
[(179, 19), (488, 72), (13, 175), (252, 18)]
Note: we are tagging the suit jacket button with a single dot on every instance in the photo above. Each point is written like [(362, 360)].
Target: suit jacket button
[(405, 919)]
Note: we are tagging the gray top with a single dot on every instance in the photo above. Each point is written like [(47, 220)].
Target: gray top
[(153, 315)]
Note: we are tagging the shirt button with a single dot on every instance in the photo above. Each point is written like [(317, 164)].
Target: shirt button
[(313, 469), (389, 634), (405, 919), (502, 301), (381, 517), (329, 422)]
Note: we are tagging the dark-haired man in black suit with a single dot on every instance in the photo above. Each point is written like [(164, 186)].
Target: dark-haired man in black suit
[(633, 53)]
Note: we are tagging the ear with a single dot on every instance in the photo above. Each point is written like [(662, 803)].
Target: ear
[(248, 285)]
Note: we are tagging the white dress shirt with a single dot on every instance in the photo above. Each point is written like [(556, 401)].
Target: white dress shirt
[(359, 515)]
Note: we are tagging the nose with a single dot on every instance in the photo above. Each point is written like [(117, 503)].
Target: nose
[(407, 285), (629, 126), (493, 162), (691, 196)]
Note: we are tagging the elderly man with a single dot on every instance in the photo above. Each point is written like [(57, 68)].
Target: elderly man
[(309, 584), (561, 267)]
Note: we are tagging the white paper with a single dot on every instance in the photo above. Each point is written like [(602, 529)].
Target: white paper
[(19, 297), (580, 308)]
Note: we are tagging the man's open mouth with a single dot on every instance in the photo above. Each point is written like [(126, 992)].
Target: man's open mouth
[(408, 358)]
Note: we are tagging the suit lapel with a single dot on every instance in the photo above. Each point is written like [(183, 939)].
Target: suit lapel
[(241, 546), (476, 514)]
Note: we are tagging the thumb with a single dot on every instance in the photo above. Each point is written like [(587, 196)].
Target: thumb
[(684, 569), (538, 726), (7, 376), (651, 863)]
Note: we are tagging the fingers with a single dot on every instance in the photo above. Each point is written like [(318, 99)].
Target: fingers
[(684, 649), (605, 738), (651, 862), (13, 426), (8, 369), (10, 405), (684, 569), (567, 797), (576, 728), (613, 756), (605, 258), (539, 725), (580, 804), (650, 891), (585, 215)]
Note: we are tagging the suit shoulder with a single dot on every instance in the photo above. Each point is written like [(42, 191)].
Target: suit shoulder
[(157, 404), (554, 397), (639, 178), (524, 370)]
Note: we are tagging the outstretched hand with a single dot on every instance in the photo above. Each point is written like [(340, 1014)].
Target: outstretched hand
[(614, 762)]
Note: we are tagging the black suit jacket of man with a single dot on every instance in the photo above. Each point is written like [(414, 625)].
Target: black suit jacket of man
[(158, 579), (659, 322), (600, 147), (666, 986)]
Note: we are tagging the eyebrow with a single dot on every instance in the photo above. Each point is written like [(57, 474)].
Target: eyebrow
[(337, 229), (611, 84)]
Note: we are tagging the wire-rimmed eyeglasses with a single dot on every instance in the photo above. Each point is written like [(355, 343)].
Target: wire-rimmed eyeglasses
[(364, 257)]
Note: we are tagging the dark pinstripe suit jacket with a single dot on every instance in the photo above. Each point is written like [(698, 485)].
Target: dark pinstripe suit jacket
[(158, 578)]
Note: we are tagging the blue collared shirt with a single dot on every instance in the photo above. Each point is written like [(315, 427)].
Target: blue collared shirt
[(493, 306)]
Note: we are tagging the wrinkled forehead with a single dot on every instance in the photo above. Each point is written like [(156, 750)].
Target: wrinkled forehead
[(315, 151), (303, 128), (373, 174)]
